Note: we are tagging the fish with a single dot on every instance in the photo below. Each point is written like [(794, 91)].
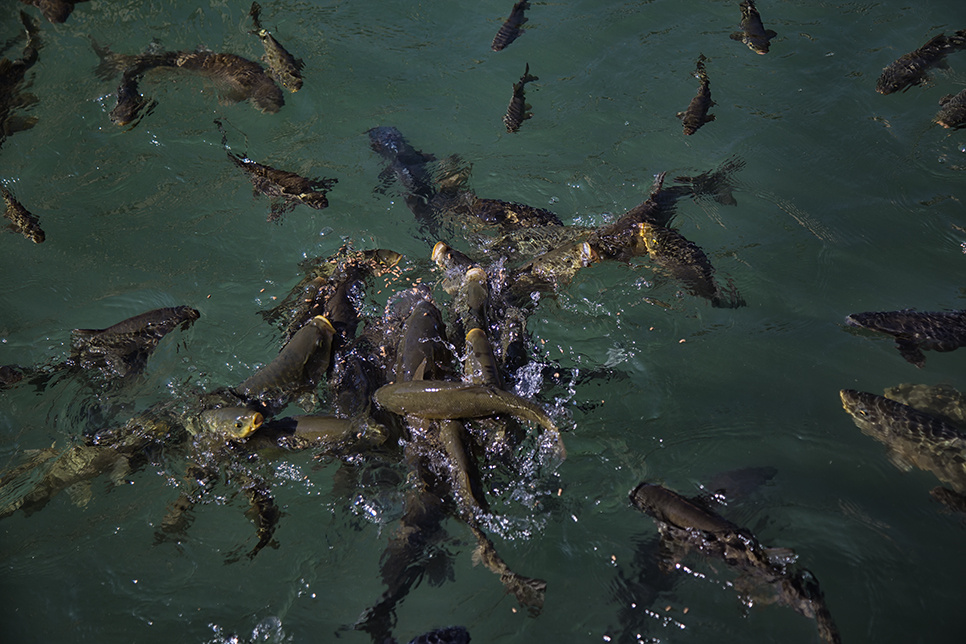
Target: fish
[(21, 219), (687, 525), (12, 75), (550, 271), (410, 168), (940, 400), (54, 11), (913, 438), (518, 110), (753, 32), (286, 69), (440, 399), (303, 359), (510, 29), (697, 113), (910, 69), (130, 101), (687, 263), (237, 78), (952, 114), (285, 188), (916, 331), (506, 214), (422, 350), (122, 350)]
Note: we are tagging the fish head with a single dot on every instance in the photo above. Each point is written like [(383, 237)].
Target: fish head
[(386, 140), (235, 423), (861, 406)]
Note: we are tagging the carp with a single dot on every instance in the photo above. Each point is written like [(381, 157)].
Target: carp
[(952, 114), (410, 168), (916, 331), (910, 69), (753, 32), (123, 349), (301, 361), (54, 10), (440, 399), (21, 220), (697, 113), (914, 438), (285, 189), (510, 29), (480, 366), (686, 525), (551, 270), (518, 110), (12, 74), (687, 263), (286, 69), (130, 101)]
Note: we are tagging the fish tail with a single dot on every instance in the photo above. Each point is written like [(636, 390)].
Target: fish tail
[(527, 76), (254, 13)]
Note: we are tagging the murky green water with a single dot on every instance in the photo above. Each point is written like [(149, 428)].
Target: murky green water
[(849, 201)]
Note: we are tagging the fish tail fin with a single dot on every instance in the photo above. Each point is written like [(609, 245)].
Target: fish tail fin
[(527, 76), (254, 13)]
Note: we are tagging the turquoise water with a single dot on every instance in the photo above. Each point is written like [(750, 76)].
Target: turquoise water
[(849, 201)]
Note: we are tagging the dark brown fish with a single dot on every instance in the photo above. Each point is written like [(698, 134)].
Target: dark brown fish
[(910, 69), (687, 263), (130, 101), (21, 219), (286, 69), (123, 349), (753, 32), (697, 113), (518, 110), (687, 525), (54, 10), (953, 112), (916, 331), (510, 30), (12, 75), (286, 189)]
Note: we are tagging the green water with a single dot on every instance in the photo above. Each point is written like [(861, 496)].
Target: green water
[(849, 201)]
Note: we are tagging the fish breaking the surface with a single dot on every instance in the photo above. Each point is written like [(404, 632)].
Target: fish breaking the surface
[(510, 30), (910, 69), (753, 32), (697, 113), (518, 110), (916, 331), (286, 69)]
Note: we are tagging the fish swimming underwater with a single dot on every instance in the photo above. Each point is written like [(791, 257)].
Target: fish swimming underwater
[(237, 78), (54, 10), (910, 69), (753, 32), (12, 74), (21, 219), (286, 189), (510, 30), (286, 69), (952, 114), (687, 525), (518, 110), (914, 438), (697, 113), (916, 331)]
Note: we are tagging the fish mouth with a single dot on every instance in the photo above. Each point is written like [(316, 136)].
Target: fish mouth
[(439, 250)]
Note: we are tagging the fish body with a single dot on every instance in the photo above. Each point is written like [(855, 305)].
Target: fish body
[(241, 79), (510, 29), (422, 352), (518, 109), (916, 331), (914, 438), (753, 32), (507, 215), (439, 399), (939, 400), (12, 76), (54, 10), (21, 219), (409, 167), (952, 114), (687, 263), (300, 362), (685, 525), (286, 69), (697, 113), (480, 366), (123, 349), (910, 69)]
